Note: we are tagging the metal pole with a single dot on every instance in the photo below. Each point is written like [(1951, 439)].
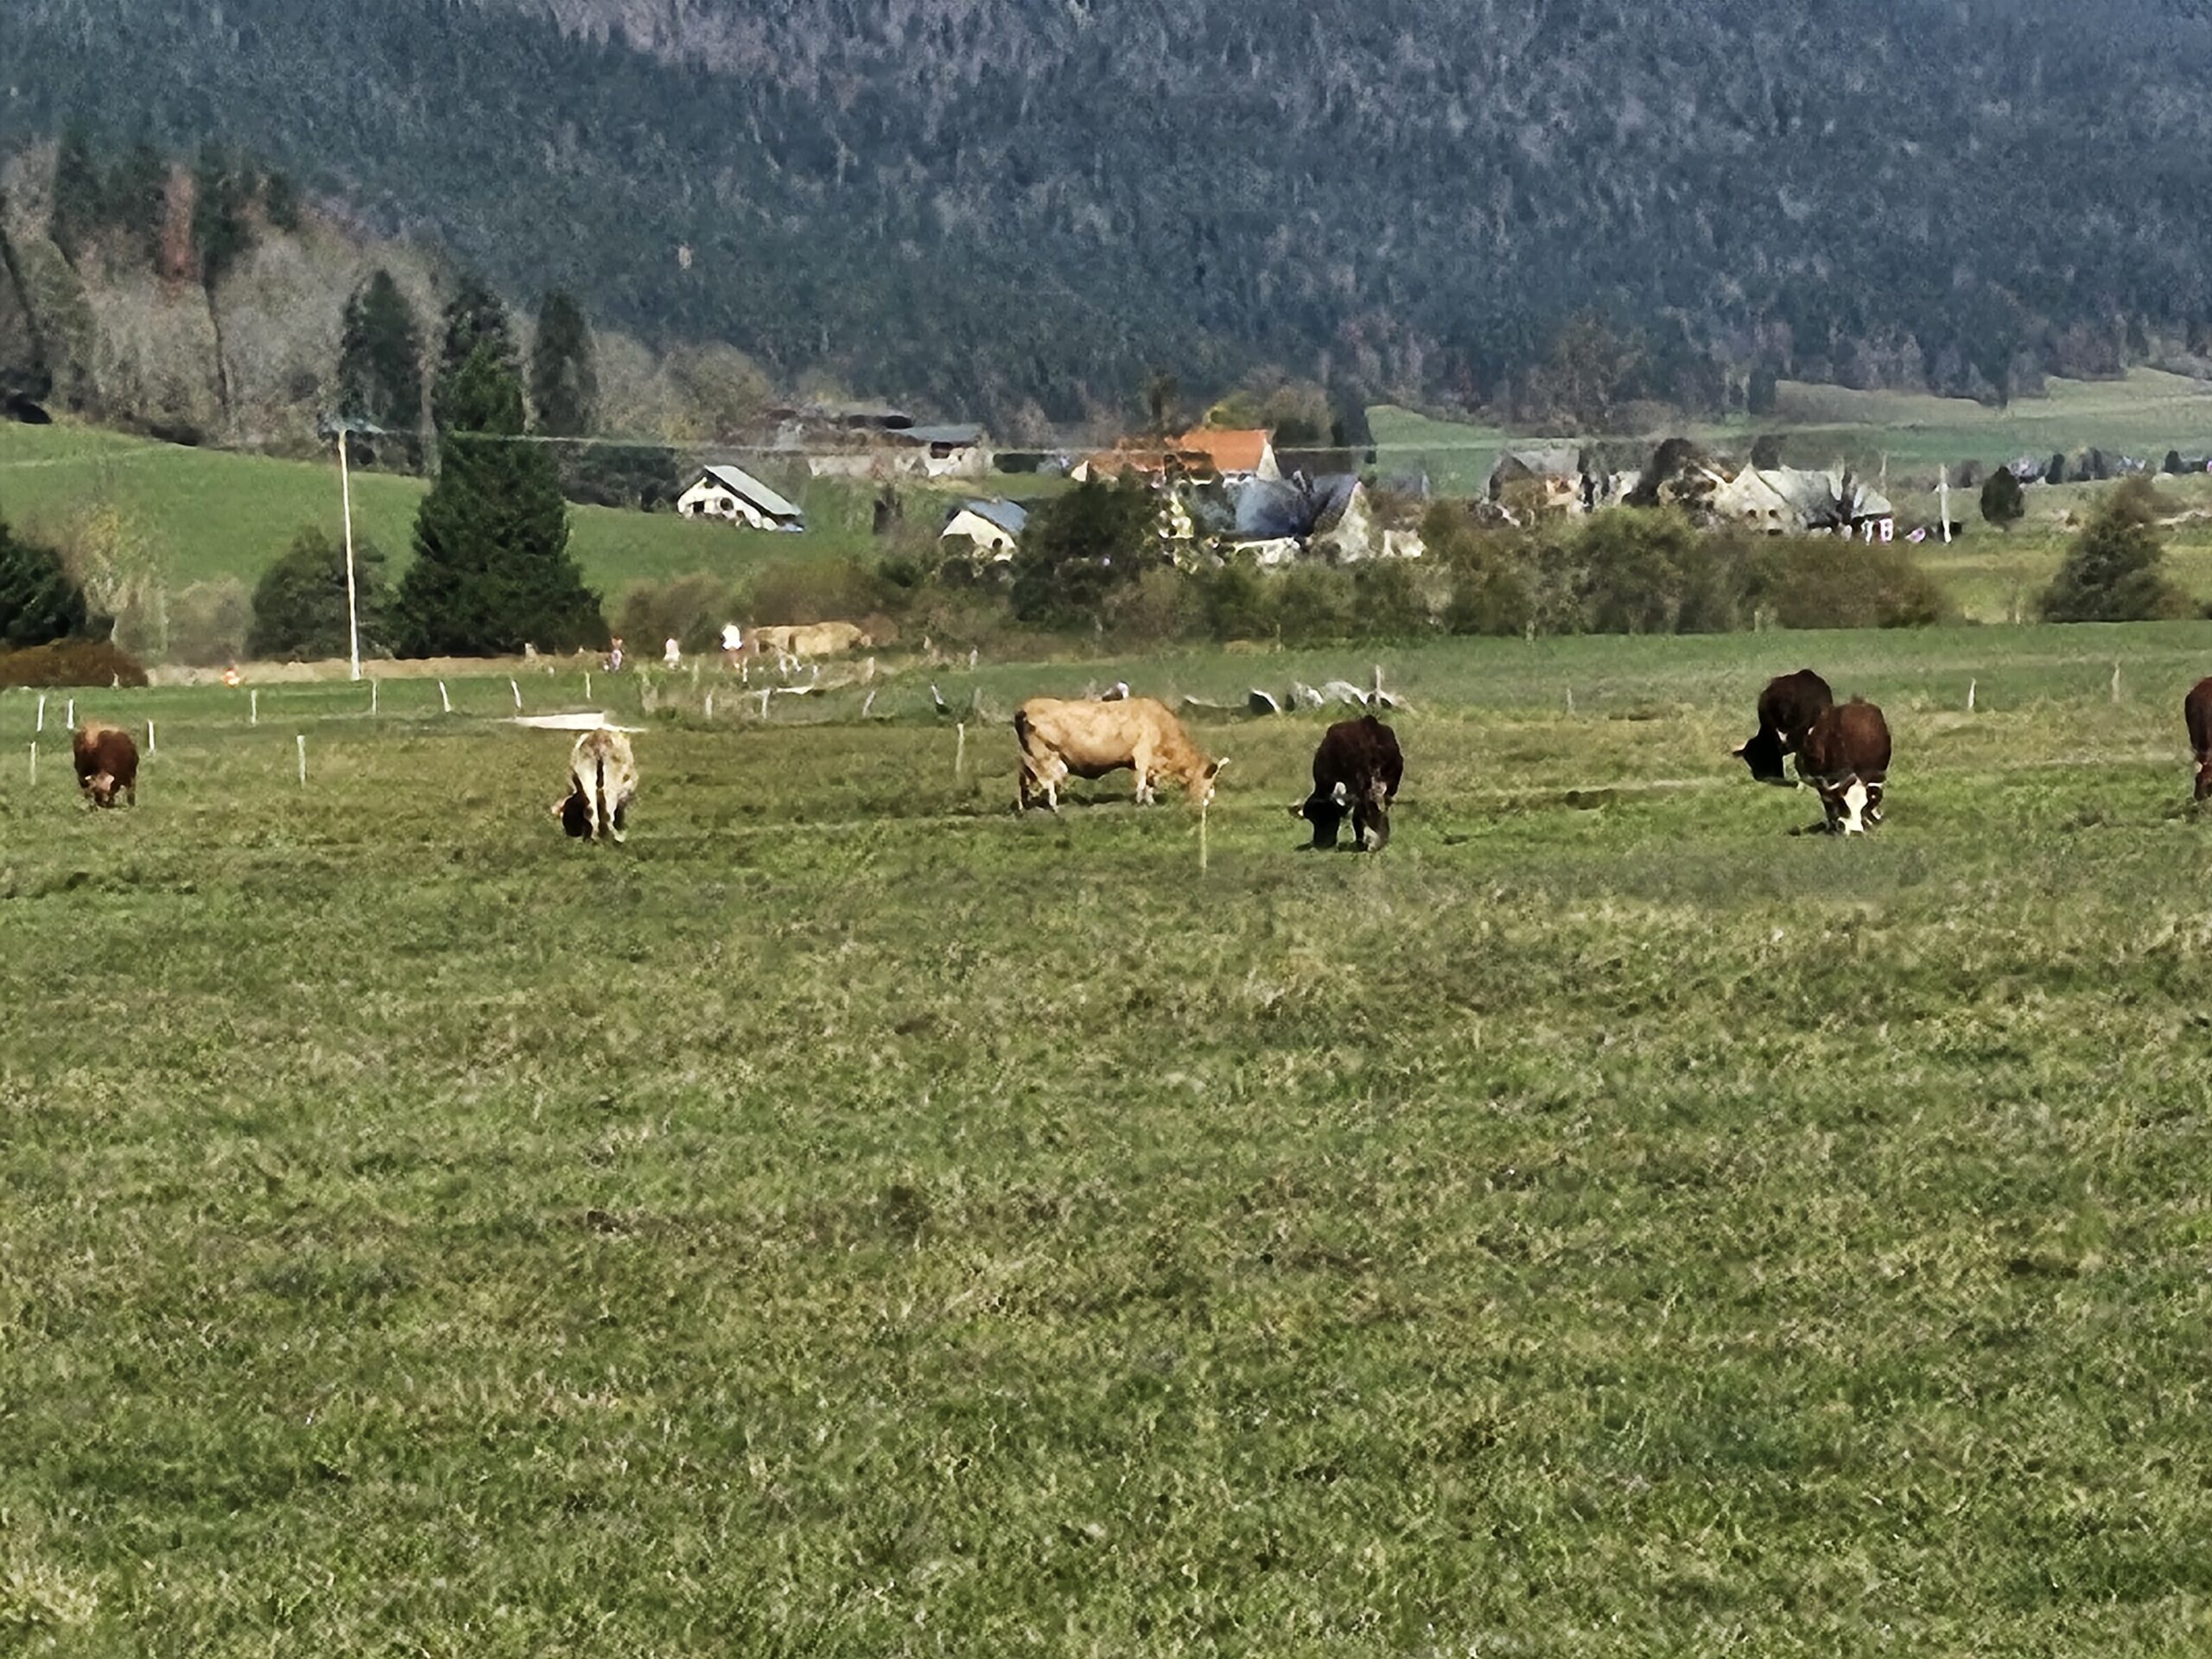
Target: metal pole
[(352, 611)]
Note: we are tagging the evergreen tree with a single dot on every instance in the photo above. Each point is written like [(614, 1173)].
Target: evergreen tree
[(493, 571), (2115, 572), (1079, 547), (220, 233), (299, 605), (138, 196), (38, 602), (380, 365), (2002, 501), (80, 195), (475, 316), (563, 385)]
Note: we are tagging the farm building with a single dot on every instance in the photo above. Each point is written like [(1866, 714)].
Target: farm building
[(1795, 501), (1279, 521), (1202, 456), (729, 493), (994, 527), (944, 451)]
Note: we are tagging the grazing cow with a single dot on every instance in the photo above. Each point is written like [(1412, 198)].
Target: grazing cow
[(1788, 708), (2197, 709), (1356, 769), (809, 639), (1846, 757), (107, 763), (1090, 739), (602, 782)]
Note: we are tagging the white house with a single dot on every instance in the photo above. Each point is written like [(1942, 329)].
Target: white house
[(1792, 500), (738, 498), (994, 527)]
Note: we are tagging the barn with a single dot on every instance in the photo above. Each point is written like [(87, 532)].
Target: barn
[(738, 498)]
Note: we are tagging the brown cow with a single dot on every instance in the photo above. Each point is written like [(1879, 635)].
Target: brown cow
[(1846, 757), (1089, 739), (1788, 708), (1356, 769), (2197, 709), (602, 782), (107, 763)]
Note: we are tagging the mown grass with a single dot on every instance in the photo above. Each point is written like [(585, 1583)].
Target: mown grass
[(849, 1219)]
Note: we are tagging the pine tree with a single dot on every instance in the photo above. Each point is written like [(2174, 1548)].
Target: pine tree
[(2115, 572), (2002, 502), (299, 605), (493, 571), (38, 602), (563, 384), (475, 316), (380, 365), (80, 194)]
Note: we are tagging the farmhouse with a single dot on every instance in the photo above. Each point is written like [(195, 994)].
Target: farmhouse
[(1202, 456), (737, 497), (1279, 521), (994, 527), (942, 451), (1795, 501), (1554, 475)]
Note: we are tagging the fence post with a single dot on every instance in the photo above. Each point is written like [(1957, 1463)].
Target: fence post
[(867, 703), (960, 752), (517, 689), (710, 705), (446, 701), (303, 760), (586, 685), (34, 763), (373, 696), (41, 712), (2115, 682), (70, 716), (1971, 685), (765, 693), (150, 750), (253, 707)]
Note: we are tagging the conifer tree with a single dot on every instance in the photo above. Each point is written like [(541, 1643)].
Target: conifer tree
[(475, 316), (493, 571), (80, 194), (563, 384), (2115, 571), (380, 365), (38, 602)]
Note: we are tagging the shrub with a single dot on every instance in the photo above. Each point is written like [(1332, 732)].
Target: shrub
[(1831, 581), (1161, 606), (1236, 603), (208, 623), (2115, 572), (1386, 600), (72, 662), (1313, 605), (299, 605), (1078, 547), (830, 590), (689, 609), (1634, 570), (38, 602)]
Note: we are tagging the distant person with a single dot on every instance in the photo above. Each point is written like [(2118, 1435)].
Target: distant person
[(614, 656), (671, 653), (733, 644), (230, 675)]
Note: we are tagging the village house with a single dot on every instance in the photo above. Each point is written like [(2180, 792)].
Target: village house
[(993, 527), (1281, 521), (738, 498), (1797, 501), (943, 451), (1202, 456), (1551, 480)]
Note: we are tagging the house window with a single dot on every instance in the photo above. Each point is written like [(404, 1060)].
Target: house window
[(727, 504)]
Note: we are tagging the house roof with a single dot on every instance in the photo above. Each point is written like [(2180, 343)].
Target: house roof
[(1559, 461), (1267, 509), (744, 484), (1813, 499), (1228, 451), (1008, 516)]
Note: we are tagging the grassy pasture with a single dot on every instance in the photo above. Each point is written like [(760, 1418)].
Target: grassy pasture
[(216, 514), (849, 1219)]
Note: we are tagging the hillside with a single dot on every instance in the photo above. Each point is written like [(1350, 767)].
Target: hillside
[(1019, 211)]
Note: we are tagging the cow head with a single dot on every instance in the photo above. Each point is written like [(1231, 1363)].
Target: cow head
[(1763, 755), (101, 787), (1848, 807), (1325, 813)]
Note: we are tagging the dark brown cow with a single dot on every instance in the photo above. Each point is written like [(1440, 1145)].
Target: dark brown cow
[(1788, 708), (1846, 757), (107, 763), (1356, 769), (2197, 709)]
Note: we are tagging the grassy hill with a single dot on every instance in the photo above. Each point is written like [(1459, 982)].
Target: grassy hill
[(216, 514)]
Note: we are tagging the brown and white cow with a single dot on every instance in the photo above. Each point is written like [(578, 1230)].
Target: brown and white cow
[(1845, 758), (2197, 709), (1788, 708), (1356, 769), (107, 763), (1089, 739), (602, 782)]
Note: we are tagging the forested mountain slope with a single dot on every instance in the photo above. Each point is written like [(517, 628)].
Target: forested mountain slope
[(1021, 206)]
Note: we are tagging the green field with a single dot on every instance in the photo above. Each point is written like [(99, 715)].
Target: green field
[(216, 514), (2144, 415), (849, 1219)]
